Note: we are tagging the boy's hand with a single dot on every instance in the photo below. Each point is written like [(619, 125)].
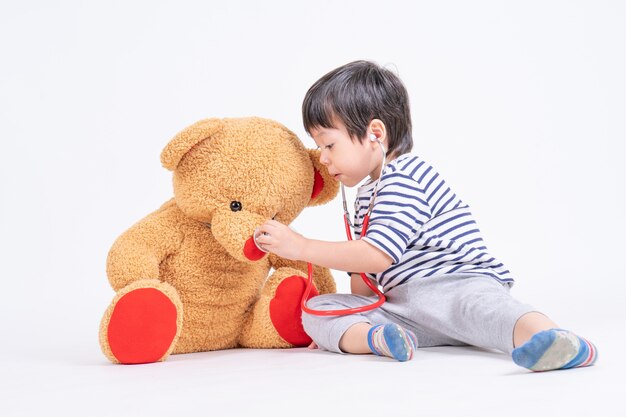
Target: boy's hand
[(279, 239)]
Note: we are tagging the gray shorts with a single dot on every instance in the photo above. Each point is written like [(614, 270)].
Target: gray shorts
[(455, 309)]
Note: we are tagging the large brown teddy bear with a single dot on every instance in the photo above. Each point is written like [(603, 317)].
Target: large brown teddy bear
[(189, 277)]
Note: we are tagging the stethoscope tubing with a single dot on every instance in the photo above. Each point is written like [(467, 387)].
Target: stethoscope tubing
[(346, 311), (381, 297)]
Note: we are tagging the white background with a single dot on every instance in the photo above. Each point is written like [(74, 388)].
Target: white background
[(520, 106)]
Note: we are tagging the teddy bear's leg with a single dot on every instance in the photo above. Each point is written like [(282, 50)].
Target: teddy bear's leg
[(142, 323), (276, 319)]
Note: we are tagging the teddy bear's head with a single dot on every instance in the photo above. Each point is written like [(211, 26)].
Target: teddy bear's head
[(234, 174)]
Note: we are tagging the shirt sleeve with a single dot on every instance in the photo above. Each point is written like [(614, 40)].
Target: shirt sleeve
[(400, 209)]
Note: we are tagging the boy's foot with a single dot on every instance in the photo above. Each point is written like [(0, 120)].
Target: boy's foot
[(393, 341), (555, 349)]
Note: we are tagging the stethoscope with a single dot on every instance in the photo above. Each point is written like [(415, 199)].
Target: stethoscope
[(348, 225), (346, 220)]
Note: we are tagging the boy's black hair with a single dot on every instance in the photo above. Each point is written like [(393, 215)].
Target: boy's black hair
[(355, 94)]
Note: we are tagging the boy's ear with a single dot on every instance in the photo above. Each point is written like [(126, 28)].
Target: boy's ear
[(325, 188), (187, 139)]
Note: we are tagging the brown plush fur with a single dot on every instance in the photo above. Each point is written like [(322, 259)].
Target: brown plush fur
[(192, 247)]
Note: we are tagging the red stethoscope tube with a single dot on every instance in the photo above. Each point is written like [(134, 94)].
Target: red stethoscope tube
[(346, 311)]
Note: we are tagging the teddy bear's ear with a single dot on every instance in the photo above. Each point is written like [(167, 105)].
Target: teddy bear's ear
[(187, 139), (325, 188)]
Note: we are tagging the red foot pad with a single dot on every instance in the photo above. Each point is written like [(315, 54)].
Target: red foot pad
[(286, 313), (142, 326)]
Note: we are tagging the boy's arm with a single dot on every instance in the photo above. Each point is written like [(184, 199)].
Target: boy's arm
[(353, 255)]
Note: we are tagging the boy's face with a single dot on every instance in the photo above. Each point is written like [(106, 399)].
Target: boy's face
[(347, 161)]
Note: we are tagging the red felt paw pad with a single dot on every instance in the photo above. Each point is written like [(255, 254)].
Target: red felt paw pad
[(142, 326), (286, 313)]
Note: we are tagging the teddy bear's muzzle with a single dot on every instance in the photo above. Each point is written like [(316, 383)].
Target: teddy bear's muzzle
[(235, 232)]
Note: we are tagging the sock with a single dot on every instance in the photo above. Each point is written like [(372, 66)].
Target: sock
[(393, 341), (555, 349)]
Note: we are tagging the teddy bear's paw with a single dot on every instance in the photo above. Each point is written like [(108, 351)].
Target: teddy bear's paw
[(286, 311), (141, 325)]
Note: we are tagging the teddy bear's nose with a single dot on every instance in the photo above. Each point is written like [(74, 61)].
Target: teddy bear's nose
[(252, 251), (235, 205)]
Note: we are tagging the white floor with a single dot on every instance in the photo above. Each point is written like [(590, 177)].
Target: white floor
[(76, 380)]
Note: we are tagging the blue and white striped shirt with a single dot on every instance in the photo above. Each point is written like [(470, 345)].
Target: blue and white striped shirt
[(422, 225)]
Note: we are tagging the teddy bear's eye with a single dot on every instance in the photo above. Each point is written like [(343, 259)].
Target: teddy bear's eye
[(235, 205)]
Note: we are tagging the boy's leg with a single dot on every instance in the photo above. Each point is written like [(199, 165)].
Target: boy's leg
[(530, 324), (354, 340), (462, 309), (358, 333), (391, 340), (428, 308), (542, 346), (479, 311), (328, 331)]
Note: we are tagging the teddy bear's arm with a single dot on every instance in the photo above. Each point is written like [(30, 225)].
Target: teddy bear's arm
[(139, 251)]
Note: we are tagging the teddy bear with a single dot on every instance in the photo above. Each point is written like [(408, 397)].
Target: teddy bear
[(189, 276)]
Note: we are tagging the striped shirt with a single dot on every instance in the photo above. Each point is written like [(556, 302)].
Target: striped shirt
[(423, 226)]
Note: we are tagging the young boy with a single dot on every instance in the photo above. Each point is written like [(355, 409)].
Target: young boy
[(422, 245)]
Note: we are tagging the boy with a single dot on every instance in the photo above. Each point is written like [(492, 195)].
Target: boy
[(422, 245)]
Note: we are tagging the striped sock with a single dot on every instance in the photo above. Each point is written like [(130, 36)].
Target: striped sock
[(393, 341), (555, 349)]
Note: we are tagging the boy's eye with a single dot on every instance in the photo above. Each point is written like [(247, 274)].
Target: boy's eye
[(329, 146)]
